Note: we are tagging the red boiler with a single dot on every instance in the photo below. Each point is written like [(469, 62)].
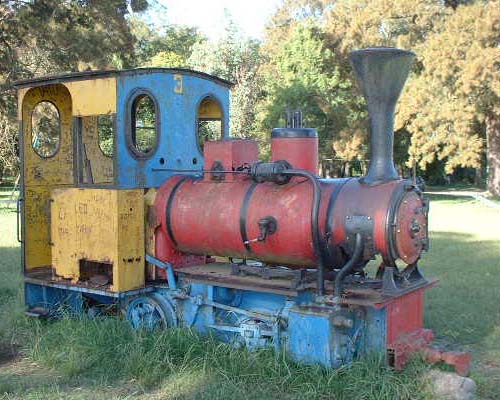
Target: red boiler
[(225, 215), (281, 213)]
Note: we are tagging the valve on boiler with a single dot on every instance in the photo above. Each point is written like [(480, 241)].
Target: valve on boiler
[(267, 226)]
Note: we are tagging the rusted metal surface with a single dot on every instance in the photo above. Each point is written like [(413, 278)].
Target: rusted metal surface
[(41, 175), (46, 277), (411, 234), (207, 218), (372, 296), (165, 249), (392, 234), (298, 277), (420, 341), (405, 314), (230, 154), (406, 334), (99, 226), (221, 274), (298, 146)]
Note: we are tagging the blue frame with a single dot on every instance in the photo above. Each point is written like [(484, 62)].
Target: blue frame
[(306, 331)]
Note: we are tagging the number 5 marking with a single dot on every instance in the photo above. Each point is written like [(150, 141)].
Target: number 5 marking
[(178, 84)]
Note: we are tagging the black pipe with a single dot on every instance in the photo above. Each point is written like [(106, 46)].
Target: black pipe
[(349, 265), (314, 223), (381, 73), (197, 171)]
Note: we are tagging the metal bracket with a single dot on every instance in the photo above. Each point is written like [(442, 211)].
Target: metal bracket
[(267, 226), (18, 223), (167, 267), (216, 171), (360, 224), (394, 285)]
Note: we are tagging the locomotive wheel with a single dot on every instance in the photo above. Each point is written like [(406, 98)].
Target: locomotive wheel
[(151, 312)]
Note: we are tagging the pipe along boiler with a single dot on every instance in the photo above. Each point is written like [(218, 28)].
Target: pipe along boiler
[(254, 253)]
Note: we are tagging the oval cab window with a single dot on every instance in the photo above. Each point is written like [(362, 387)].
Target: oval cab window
[(144, 127), (45, 129)]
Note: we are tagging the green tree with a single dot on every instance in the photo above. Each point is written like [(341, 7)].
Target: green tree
[(452, 92), (154, 45), (350, 25), (237, 60), (50, 36), (302, 74), (333, 102), (453, 103), (167, 59)]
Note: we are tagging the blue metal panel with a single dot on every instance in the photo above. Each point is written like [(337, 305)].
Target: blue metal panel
[(52, 299), (310, 337), (268, 303), (177, 124), (314, 337), (83, 289), (193, 313), (374, 335)]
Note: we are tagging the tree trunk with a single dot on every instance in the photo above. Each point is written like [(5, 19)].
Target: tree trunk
[(493, 153), (478, 176)]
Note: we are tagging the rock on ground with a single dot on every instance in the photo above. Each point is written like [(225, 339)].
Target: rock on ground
[(450, 386)]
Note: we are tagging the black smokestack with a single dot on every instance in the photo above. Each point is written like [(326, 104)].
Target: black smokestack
[(381, 73)]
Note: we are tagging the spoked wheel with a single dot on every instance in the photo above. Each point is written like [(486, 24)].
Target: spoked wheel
[(151, 312)]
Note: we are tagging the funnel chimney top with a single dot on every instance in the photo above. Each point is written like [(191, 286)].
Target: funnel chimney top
[(381, 73)]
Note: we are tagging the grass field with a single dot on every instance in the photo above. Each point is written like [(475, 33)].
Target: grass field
[(104, 359)]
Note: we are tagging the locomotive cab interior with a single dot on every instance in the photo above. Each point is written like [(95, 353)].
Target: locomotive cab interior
[(209, 121), (94, 144)]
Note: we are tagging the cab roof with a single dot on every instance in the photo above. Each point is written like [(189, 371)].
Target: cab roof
[(87, 75)]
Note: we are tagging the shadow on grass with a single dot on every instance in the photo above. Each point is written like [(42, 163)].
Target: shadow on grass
[(465, 305), (448, 197), (454, 188), (181, 364), (10, 273)]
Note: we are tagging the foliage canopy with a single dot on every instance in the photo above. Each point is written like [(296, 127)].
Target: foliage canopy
[(448, 115)]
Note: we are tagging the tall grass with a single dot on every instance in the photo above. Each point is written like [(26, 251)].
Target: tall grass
[(108, 350), (105, 359)]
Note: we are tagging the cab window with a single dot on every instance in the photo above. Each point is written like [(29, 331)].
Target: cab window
[(105, 135), (45, 129), (144, 125), (209, 121)]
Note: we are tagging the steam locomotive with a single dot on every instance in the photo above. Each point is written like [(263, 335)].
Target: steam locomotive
[(127, 207)]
